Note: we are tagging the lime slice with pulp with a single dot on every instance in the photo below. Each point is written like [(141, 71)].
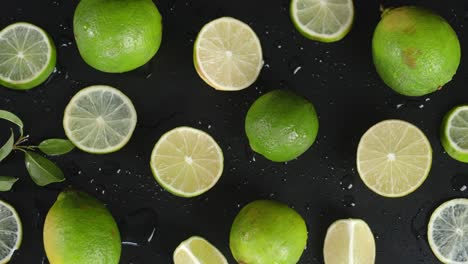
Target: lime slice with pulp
[(11, 232), (454, 133), (197, 250)]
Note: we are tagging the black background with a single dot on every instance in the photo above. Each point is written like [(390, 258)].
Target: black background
[(340, 80)]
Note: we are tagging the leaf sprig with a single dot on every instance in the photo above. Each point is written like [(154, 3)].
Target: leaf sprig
[(42, 170)]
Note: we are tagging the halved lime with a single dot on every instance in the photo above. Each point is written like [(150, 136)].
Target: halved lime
[(187, 162), (454, 133), (394, 158), (228, 54), (27, 56), (322, 20), (349, 241), (447, 232), (196, 250), (11, 232), (99, 119)]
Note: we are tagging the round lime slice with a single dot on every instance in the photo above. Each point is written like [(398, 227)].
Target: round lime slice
[(11, 232), (99, 119), (454, 133), (27, 56), (322, 20)]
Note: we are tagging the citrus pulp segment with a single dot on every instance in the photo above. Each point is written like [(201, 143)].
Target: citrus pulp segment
[(394, 158), (196, 250), (187, 162), (27, 56), (99, 119), (228, 54), (11, 232)]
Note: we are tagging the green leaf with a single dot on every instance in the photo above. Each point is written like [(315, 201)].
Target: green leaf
[(6, 182), (56, 146), (8, 147), (12, 118), (42, 170)]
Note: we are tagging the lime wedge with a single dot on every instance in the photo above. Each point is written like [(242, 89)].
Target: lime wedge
[(27, 56), (11, 232), (349, 241), (197, 250), (187, 162), (394, 158), (448, 232), (99, 119), (228, 55), (322, 20), (454, 133)]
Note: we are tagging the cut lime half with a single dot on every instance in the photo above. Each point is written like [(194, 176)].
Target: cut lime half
[(448, 232), (187, 162), (228, 54), (196, 250), (394, 158), (322, 20), (11, 232), (99, 119), (454, 133), (27, 56)]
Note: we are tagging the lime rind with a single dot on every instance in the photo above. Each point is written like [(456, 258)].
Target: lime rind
[(451, 147), (19, 234), (167, 186), (128, 127), (413, 187), (345, 26), (198, 63), (434, 232), (39, 75)]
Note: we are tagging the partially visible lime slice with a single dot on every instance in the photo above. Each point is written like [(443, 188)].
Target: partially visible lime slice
[(454, 133), (349, 241), (11, 232), (187, 162), (394, 158), (323, 20), (27, 56), (197, 250), (448, 232), (228, 54), (99, 119)]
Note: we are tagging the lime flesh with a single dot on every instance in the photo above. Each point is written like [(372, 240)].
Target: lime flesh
[(196, 250), (11, 232), (454, 133)]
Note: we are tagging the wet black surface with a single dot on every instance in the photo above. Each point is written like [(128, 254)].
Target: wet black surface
[(338, 78)]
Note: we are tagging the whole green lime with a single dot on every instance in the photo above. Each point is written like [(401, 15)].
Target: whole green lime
[(266, 232), (281, 125), (78, 229), (415, 51), (117, 35)]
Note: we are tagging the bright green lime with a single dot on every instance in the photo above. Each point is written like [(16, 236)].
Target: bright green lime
[(266, 232), (117, 36), (27, 56), (415, 51), (454, 133), (281, 125), (79, 229)]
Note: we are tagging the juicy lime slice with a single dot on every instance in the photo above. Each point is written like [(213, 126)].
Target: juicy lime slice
[(11, 232), (323, 20), (99, 119), (349, 241), (454, 134), (187, 162), (228, 54), (394, 158), (448, 232), (27, 56), (197, 250)]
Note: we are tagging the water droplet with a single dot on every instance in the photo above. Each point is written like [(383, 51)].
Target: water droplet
[(460, 182), (139, 227), (347, 182), (348, 201)]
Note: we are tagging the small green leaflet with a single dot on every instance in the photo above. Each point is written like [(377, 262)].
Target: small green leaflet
[(6, 182), (56, 146), (42, 170), (8, 147), (12, 118)]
